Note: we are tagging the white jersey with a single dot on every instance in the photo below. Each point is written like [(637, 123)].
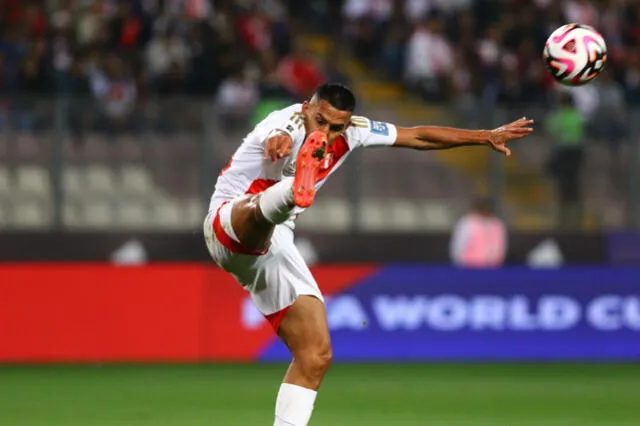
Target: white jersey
[(249, 172)]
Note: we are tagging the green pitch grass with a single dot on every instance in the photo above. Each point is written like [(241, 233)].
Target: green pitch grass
[(353, 395)]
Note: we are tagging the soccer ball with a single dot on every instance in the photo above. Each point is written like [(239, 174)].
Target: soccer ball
[(575, 54)]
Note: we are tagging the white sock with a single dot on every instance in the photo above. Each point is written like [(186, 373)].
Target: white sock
[(294, 405), (276, 202)]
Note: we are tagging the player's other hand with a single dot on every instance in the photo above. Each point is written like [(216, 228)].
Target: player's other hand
[(277, 147), (518, 129)]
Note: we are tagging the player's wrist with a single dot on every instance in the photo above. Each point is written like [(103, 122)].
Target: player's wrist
[(482, 137), (279, 132)]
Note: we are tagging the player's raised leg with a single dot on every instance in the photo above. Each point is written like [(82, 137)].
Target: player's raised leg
[(305, 332), (253, 217)]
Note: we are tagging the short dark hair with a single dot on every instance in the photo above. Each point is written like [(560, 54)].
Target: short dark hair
[(338, 96)]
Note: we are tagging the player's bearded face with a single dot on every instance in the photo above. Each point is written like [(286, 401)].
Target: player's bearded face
[(320, 115)]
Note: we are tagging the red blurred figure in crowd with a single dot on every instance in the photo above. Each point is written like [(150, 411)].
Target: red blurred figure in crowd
[(300, 74)]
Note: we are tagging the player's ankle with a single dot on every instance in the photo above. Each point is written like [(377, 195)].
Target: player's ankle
[(276, 203)]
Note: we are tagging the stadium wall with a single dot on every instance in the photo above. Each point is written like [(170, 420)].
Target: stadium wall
[(97, 313), (61, 246)]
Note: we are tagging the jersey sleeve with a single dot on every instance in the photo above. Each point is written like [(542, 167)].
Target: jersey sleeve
[(370, 133)]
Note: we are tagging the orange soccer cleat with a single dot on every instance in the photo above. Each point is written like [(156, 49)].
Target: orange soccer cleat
[(307, 166)]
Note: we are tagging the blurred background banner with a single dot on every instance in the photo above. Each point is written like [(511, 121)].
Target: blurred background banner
[(100, 313), (193, 312), (436, 314)]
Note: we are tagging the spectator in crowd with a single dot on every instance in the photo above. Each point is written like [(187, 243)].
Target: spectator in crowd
[(34, 82), (366, 25), (611, 110), (115, 93), (300, 73), (236, 100), (583, 11), (429, 59), (78, 89), (566, 127), (479, 238), (272, 94), (395, 36), (165, 53)]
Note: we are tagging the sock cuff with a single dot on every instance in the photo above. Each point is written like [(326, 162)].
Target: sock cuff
[(276, 202), (295, 404), (295, 389)]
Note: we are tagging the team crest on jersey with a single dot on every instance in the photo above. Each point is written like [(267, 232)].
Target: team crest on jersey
[(379, 128)]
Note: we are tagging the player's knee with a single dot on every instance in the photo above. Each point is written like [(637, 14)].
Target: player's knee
[(317, 361), (245, 205), (324, 357)]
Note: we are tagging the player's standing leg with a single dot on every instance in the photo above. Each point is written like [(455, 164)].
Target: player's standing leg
[(305, 332)]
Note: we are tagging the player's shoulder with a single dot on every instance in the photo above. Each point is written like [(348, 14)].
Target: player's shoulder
[(363, 127), (288, 120), (289, 113)]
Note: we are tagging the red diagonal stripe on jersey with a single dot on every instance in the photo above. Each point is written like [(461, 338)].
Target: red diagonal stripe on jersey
[(335, 152), (259, 185)]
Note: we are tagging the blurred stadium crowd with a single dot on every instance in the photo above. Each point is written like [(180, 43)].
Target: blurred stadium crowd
[(120, 53), (124, 66), (240, 51), (446, 47), (492, 48)]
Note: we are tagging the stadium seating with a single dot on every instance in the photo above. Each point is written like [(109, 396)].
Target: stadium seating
[(33, 180), (5, 181), (155, 183), (31, 213)]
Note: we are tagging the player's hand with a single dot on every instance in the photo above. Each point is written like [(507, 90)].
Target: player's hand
[(499, 137), (277, 147)]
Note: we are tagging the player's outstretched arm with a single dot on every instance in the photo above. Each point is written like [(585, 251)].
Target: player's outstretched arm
[(434, 137)]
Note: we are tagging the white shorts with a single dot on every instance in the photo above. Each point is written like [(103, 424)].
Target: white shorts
[(274, 278)]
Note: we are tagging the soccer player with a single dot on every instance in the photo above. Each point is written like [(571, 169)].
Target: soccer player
[(271, 178)]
